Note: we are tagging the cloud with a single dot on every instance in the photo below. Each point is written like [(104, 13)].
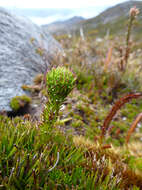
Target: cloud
[(63, 15), (57, 3), (52, 9), (49, 19)]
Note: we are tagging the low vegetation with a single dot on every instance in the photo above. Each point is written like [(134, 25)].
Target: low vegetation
[(19, 102), (89, 133)]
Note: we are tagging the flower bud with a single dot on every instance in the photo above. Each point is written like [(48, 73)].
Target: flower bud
[(134, 12)]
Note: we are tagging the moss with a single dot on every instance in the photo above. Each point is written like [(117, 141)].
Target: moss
[(130, 111), (69, 106), (19, 102), (44, 92), (77, 124), (83, 78), (135, 163), (76, 116), (86, 109)]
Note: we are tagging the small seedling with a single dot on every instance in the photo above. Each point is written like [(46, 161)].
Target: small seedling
[(60, 82)]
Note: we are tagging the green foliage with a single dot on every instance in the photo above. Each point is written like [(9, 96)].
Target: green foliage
[(29, 159), (135, 163), (60, 82), (19, 102)]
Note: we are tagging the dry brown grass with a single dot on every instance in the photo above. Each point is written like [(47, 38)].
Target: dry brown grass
[(118, 104), (133, 126)]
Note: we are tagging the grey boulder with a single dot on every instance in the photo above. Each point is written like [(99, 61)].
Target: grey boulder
[(19, 61)]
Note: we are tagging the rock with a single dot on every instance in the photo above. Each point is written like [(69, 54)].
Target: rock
[(19, 61)]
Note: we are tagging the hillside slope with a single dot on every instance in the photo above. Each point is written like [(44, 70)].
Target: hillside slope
[(66, 26), (114, 19)]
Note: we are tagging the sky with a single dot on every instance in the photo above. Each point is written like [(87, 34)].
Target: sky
[(84, 8), (57, 3)]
